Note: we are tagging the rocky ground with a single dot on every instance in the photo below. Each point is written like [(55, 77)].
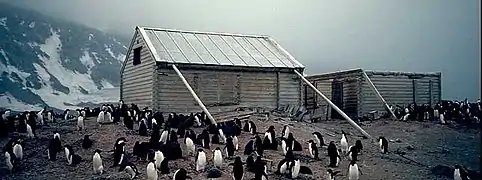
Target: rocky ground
[(424, 144)]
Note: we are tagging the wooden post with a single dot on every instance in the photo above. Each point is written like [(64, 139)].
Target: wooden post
[(335, 107), (372, 86), (194, 94)]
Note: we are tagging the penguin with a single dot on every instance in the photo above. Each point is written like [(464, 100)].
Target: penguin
[(204, 139), (383, 144), (284, 146), (158, 157), (405, 117), (246, 126), (442, 118), (80, 123), (333, 154), (9, 160), (229, 147), (86, 142), (53, 148), (164, 136), (201, 160), (191, 148), (173, 137), (285, 132), (49, 117), (353, 153), (164, 167), (108, 117), (237, 168), (18, 150), (249, 147), (343, 142), (261, 172), (319, 139), (67, 151), (359, 145), (330, 174), (295, 169), (217, 157), (100, 117), (142, 128), (282, 167), (460, 173), (119, 150), (151, 171), (181, 174), (130, 169), (353, 171), (197, 121), (74, 159), (313, 149), (30, 133), (97, 162), (252, 127), (221, 135), (121, 140), (40, 116), (258, 145), (236, 142)]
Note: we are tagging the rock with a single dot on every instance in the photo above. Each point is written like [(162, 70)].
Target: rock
[(410, 147)]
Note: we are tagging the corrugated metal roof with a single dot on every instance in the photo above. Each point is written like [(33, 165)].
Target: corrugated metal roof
[(192, 47)]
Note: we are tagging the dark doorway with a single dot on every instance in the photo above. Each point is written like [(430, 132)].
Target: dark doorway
[(337, 98)]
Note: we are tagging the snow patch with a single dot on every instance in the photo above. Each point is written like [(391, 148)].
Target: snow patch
[(9, 69), (120, 57), (22, 23), (87, 61), (91, 36), (32, 24), (8, 101), (106, 84), (3, 22), (95, 57), (23, 34)]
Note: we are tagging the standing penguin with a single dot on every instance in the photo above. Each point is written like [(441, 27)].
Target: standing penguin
[(191, 148), (353, 171), (295, 169), (343, 142), (97, 162), (49, 116), (237, 168), (30, 133), (151, 171), (80, 123), (9, 160), (164, 136), (285, 132), (319, 139), (236, 142), (383, 144), (100, 117), (359, 145), (353, 153), (252, 127), (333, 154), (217, 157), (442, 118), (230, 147), (119, 153), (164, 168), (180, 174), (143, 128), (313, 149), (86, 142), (18, 150), (201, 160), (130, 168), (158, 158), (246, 126)]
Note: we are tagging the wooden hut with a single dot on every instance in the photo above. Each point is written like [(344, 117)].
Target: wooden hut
[(351, 91), (224, 70)]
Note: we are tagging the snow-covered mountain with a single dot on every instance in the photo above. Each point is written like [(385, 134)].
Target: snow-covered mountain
[(47, 61)]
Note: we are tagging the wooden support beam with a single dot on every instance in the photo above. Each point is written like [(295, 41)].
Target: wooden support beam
[(335, 107), (200, 103), (377, 93)]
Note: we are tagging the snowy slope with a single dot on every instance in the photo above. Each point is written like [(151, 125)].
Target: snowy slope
[(45, 61)]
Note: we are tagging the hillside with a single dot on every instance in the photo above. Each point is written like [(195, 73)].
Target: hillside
[(47, 61)]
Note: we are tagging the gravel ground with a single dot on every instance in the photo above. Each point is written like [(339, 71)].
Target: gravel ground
[(432, 145)]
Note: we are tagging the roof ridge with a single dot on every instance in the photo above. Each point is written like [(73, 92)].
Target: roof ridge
[(205, 32)]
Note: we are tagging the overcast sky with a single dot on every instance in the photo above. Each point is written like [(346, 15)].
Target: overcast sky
[(324, 35)]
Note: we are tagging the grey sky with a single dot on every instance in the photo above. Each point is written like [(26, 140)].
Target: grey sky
[(408, 35)]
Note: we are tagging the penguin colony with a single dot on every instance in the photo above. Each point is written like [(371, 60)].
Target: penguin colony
[(167, 135)]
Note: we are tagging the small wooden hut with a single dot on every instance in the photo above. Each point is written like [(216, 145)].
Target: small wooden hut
[(351, 91), (222, 69)]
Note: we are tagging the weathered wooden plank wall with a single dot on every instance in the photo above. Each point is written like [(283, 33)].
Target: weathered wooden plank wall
[(398, 90), (223, 88), (136, 81)]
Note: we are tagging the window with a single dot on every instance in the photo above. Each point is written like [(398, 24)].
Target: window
[(137, 56)]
